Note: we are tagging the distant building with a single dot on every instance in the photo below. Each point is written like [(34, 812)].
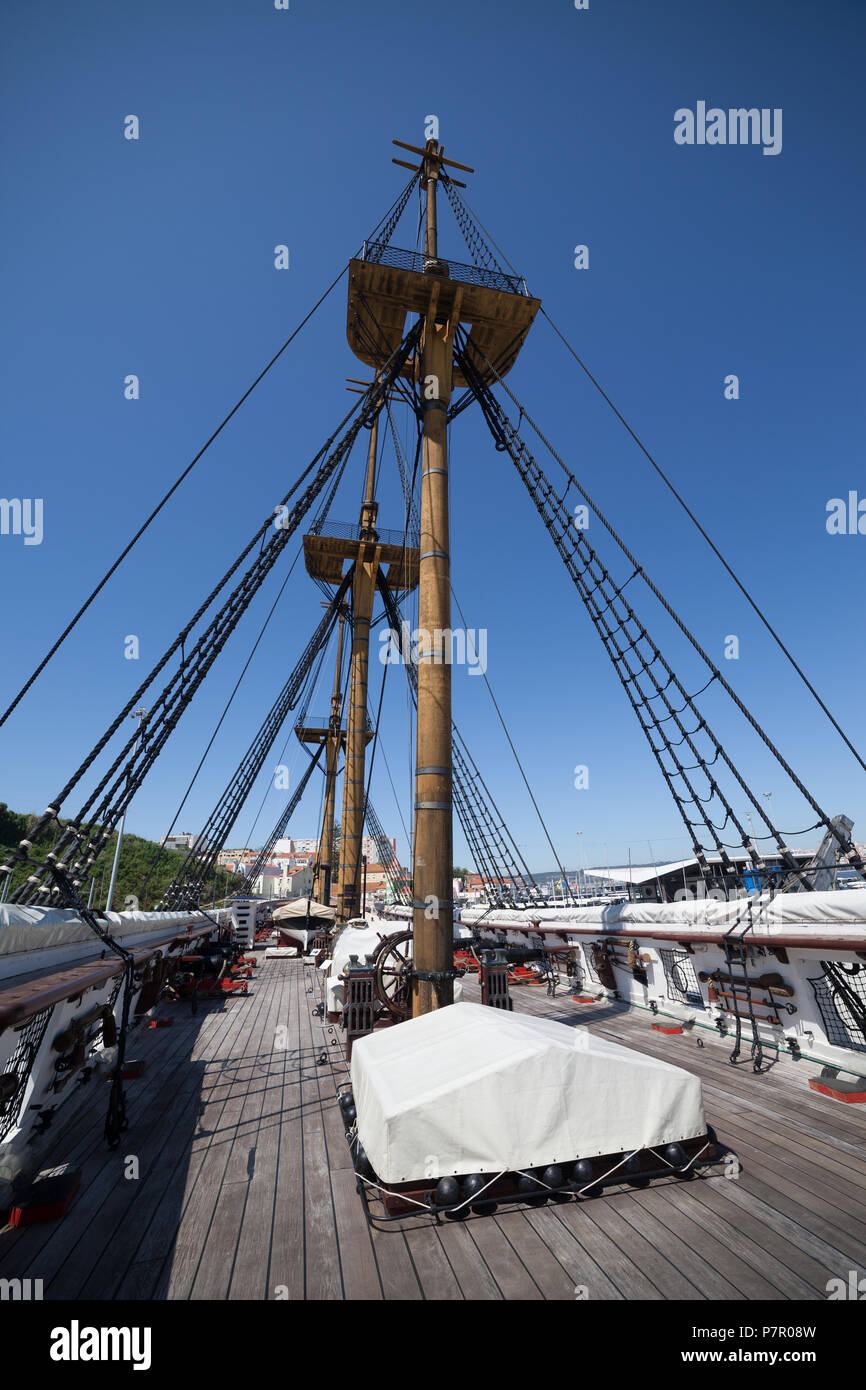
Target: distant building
[(277, 881), (290, 867), (267, 885), (298, 884), (683, 881), (301, 848), (184, 841)]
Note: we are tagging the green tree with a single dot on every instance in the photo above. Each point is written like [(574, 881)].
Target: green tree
[(144, 872)]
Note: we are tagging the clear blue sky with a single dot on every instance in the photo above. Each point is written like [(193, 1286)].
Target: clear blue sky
[(261, 127)]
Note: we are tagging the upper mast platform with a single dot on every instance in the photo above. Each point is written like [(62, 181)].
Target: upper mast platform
[(316, 730), (325, 556), (388, 283)]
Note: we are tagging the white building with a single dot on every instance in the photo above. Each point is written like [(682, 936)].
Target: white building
[(277, 882), (301, 848), (184, 841)]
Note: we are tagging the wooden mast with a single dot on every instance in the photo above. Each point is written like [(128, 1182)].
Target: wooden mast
[(385, 285), (433, 908), (363, 594), (324, 859)]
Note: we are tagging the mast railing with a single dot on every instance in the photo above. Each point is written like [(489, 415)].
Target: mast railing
[(346, 531), (380, 254), (323, 723)]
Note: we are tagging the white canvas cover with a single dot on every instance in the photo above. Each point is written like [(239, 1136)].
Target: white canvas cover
[(294, 924), (299, 908), (844, 909), (797, 918), (479, 1090), (34, 937), (358, 938), (841, 908)]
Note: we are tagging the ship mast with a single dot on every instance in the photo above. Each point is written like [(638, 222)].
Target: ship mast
[(325, 857), (432, 985), (363, 594), (386, 284)]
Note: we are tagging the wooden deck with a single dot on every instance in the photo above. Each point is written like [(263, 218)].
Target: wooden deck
[(245, 1188)]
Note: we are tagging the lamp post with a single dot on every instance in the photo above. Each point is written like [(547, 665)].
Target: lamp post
[(581, 882), (138, 714)]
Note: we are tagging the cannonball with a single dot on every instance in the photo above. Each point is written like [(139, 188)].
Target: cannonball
[(350, 1114), (553, 1176), (582, 1173), (447, 1192), (632, 1164), (346, 1099), (527, 1183), (675, 1154), (473, 1184), (362, 1162)]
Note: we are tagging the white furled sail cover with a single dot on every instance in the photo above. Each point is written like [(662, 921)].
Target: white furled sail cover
[(479, 1090), (305, 909)]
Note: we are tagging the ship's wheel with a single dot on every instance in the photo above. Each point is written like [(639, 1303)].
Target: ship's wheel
[(393, 962)]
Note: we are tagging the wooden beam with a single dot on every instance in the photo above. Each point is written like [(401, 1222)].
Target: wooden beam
[(429, 154)]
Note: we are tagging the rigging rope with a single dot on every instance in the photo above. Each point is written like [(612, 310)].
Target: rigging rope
[(476, 810), (390, 219), (517, 759), (317, 525), (188, 880), (711, 543), (299, 723), (285, 816), (161, 850), (158, 508), (456, 200), (181, 687), (558, 522)]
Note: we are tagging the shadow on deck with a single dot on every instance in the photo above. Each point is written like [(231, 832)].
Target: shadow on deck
[(245, 1187)]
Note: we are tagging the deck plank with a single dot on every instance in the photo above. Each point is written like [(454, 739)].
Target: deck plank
[(432, 1267), (87, 1239), (471, 1270), (647, 1257), (503, 1256), (323, 1277), (549, 1276), (397, 1271), (249, 1278), (649, 1213), (831, 1207), (583, 1271), (247, 1190), (227, 1095), (286, 1256), (716, 1195), (152, 1255)]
